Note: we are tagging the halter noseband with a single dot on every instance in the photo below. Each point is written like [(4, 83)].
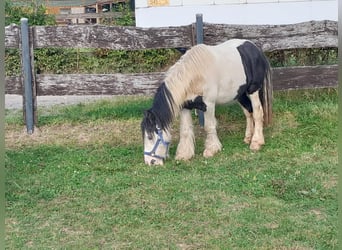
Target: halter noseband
[(159, 141)]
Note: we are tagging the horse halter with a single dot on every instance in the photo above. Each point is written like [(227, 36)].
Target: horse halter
[(160, 140)]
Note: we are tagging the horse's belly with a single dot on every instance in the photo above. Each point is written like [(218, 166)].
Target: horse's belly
[(227, 92), (225, 97), (221, 93), (229, 80)]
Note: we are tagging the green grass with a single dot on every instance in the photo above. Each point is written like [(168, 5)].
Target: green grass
[(86, 187)]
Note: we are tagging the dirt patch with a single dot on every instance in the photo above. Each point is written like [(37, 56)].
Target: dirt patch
[(107, 132), (285, 121), (330, 183)]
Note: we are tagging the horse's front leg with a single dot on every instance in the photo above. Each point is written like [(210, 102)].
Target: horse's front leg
[(186, 146), (212, 143)]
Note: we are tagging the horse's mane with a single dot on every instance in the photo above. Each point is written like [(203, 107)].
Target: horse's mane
[(161, 112), (186, 76)]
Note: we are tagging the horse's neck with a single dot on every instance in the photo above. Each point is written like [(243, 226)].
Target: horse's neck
[(185, 79), (178, 84)]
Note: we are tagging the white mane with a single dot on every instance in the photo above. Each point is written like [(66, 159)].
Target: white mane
[(186, 76)]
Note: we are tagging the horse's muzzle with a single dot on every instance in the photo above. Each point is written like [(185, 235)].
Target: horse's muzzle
[(151, 161)]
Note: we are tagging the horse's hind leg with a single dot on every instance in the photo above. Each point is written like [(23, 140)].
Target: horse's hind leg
[(186, 146), (249, 126), (258, 117), (247, 108), (212, 143)]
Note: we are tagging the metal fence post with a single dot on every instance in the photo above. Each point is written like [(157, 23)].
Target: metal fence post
[(199, 40), (27, 76), (199, 28)]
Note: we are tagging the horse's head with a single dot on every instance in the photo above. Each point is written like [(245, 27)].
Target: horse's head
[(156, 139)]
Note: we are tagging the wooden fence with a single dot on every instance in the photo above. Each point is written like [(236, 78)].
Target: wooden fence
[(313, 34)]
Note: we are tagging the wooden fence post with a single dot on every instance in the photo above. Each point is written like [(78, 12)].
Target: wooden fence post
[(199, 40), (27, 76)]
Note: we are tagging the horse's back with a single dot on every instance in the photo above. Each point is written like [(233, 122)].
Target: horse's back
[(239, 65), (232, 43), (227, 74)]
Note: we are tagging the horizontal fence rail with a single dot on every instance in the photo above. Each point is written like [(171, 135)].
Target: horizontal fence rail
[(101, 36), (283, 78), (313, 34)]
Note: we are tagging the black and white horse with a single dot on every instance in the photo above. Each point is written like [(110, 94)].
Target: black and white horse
[(203, 77)]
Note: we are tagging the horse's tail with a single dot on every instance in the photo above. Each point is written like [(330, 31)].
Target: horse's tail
[(267, 97)]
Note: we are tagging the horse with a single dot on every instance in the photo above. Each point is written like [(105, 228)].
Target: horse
[(206, 75)]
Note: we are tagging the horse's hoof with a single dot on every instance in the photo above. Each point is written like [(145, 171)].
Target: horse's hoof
[(255, 146), (247, 140), (207, 153), (183, 157)]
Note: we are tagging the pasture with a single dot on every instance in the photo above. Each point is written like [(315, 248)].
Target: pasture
[(81, 183)]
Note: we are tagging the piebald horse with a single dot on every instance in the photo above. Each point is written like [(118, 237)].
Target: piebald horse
[(203, 77)]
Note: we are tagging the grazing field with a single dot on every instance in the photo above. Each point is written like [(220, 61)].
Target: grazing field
[(80, 183)]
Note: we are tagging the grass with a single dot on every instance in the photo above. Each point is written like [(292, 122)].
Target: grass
[(80, 183)]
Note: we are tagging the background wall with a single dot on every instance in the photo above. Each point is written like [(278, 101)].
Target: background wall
[(163, 13)]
